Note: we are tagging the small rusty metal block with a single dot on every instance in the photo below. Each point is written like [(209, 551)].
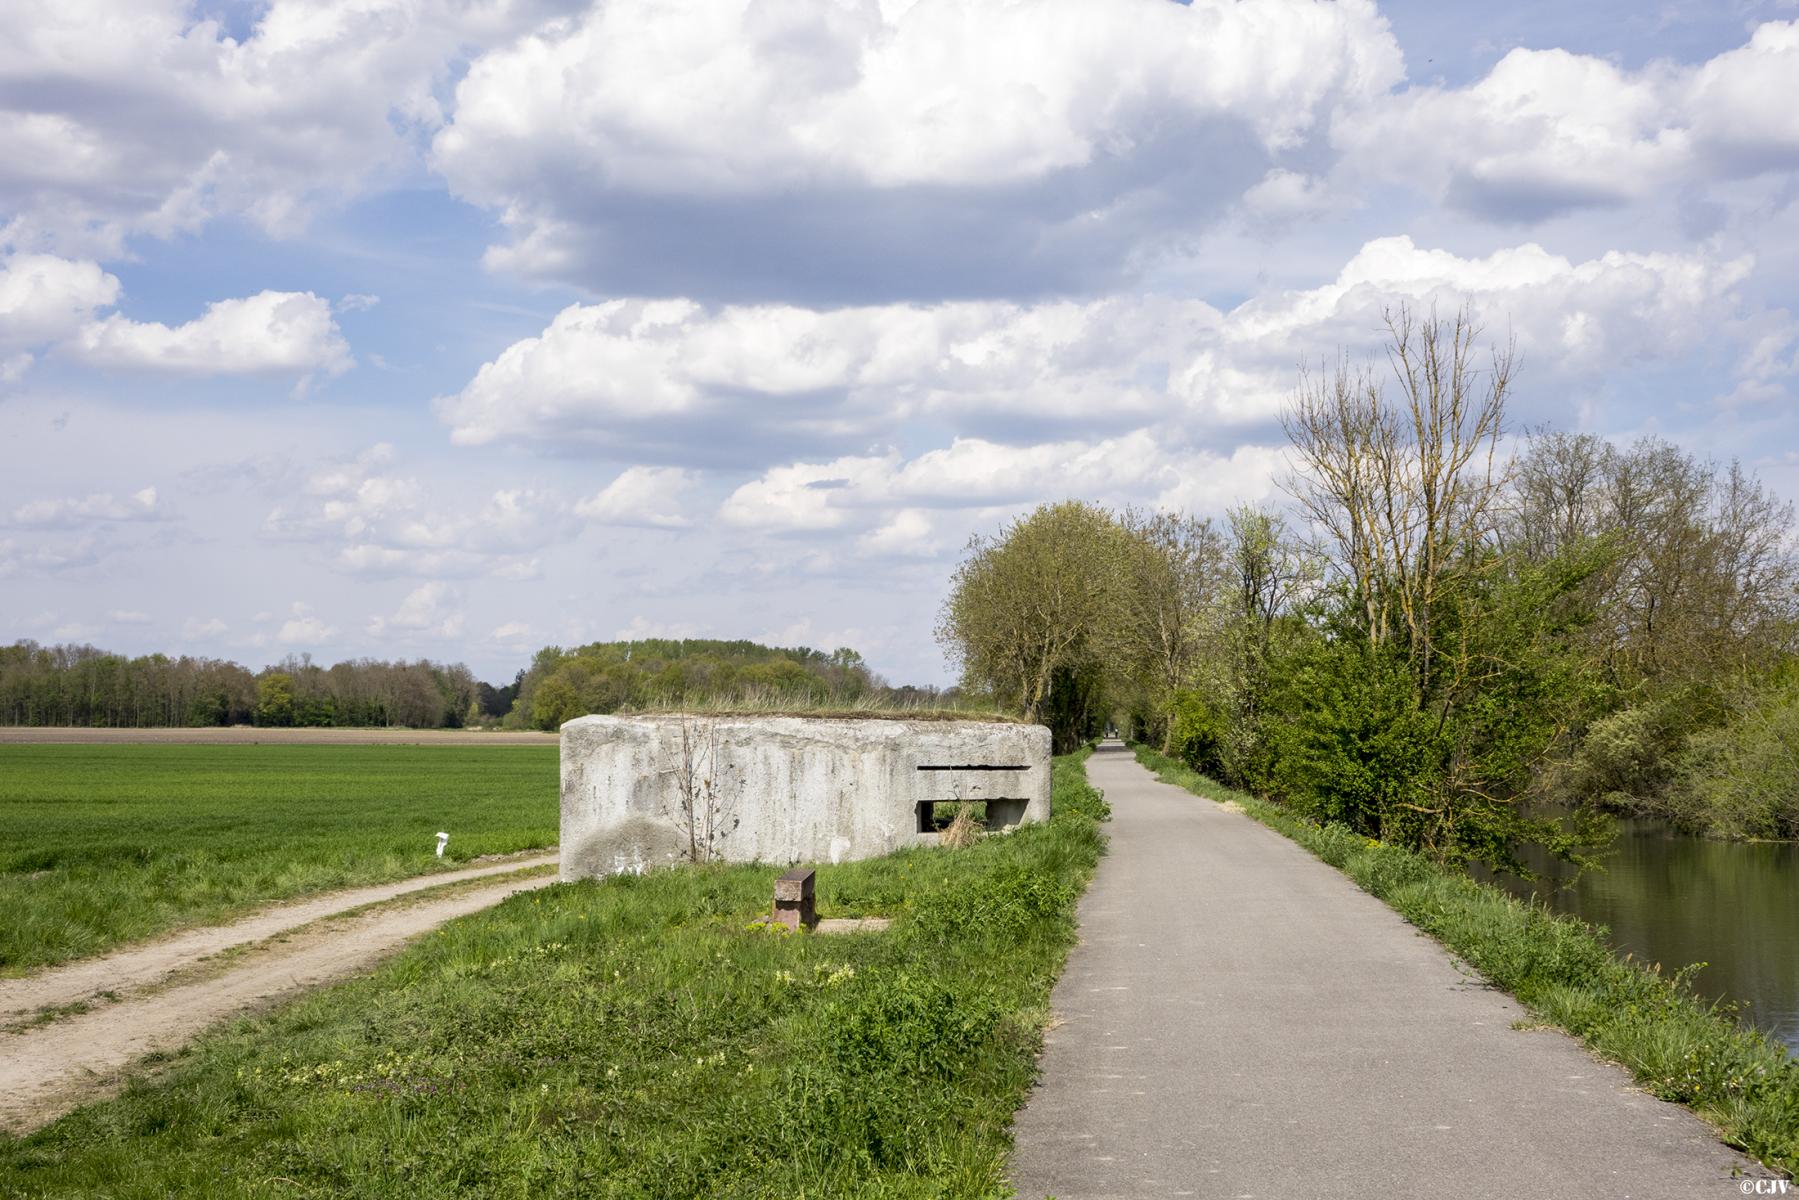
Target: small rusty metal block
[(794, 904), (795, 885)]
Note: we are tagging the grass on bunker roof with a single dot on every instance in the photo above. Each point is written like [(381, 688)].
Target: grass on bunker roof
[(634, 1037), (864, 708)]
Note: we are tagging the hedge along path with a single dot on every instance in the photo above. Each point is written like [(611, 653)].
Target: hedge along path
[(154, 998), (1241, 1018)]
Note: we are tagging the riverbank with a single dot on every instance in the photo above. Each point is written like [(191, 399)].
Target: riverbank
[(1675, 1045), (634, 1036), (1668, 896)]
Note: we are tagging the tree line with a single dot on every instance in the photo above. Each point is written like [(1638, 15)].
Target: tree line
[(1448, 626), (605, 677), (82, 685)]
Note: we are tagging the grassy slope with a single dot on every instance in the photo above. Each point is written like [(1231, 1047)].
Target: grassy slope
[(105, 844), (634, 1037), (1678, 1047)]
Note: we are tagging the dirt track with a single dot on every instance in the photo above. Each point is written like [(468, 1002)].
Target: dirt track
[(247, 735), (156, 997)]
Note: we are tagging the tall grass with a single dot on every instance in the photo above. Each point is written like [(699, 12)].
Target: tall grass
[(634, 1037), (1677, 1045), (762, 702), (101, 845)]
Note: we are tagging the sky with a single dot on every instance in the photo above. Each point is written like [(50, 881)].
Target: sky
[(457, 328)]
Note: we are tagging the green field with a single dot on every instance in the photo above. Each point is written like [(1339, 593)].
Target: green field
[(107, 844), (633, 1037)]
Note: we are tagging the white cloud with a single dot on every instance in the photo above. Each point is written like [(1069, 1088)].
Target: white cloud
[(886, 497), (194, 628), (45, 299), (513, 519), (317, 100), (908, 533), (1546, 131), (431, 610), (708, 95), (1572, 319), (802, 496), (268, 333), (380, 524), (511, 633), (379, 562), (67, 543), (637, 377), (91, 509), (303, 628), (651, 496), (122, 616), (357, 302), (1285, 195), (887, 134)]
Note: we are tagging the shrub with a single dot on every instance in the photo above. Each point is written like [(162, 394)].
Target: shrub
[(1743, 780)]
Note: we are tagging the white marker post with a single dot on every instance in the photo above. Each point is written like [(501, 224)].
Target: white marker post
[(443, 839)]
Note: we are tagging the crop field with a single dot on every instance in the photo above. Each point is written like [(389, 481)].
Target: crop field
[(104, 844), (637, 1036)]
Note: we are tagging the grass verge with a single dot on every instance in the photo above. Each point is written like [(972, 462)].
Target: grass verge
[(1679, 1047), (105, 844), (634, 1037)]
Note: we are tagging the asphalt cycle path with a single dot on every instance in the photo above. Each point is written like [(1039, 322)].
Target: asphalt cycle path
[(1240, 1020)]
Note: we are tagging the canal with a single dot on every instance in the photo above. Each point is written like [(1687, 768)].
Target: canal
[(1676, 899)]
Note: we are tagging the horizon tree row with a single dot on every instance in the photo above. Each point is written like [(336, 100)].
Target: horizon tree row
[(83, 685)]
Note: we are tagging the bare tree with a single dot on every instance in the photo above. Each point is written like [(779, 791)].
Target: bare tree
[(1558, 493), (1402, 489), (706, 790), (1167, 611)]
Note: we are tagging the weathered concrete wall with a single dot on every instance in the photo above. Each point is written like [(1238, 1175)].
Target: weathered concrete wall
[(641, 791)]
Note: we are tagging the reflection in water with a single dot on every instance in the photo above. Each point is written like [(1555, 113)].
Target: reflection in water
[(1675, 899)]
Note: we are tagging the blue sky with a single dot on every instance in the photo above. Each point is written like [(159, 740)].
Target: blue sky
[(459, 327)]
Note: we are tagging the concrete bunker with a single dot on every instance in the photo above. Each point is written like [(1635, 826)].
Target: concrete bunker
[(643, 791)]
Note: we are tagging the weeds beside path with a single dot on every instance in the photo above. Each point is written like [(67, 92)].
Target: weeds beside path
[(634, 1037), (1677, 1046)]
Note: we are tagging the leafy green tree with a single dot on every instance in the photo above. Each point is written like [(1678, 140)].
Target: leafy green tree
[(554, 702), (1031, 615), (275, 699)]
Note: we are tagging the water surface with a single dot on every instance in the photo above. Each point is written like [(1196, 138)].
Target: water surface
[(1675, 899)]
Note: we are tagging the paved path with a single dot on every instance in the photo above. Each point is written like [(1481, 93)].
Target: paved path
[(1240, 1020)]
